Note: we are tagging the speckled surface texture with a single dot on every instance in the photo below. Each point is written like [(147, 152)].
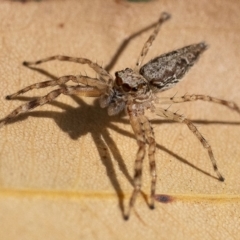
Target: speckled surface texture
[(65, 167)]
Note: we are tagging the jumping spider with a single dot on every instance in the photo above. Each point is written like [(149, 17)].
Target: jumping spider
[(132, 90)]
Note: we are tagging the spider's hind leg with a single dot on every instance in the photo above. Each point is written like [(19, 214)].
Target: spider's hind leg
[(176, 117)]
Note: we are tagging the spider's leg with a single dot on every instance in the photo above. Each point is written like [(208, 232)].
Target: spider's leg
[(87, 81), (164, 16), (141, 141), (179, 118), (195, 97), (149, 134), (46, 99), (97, 68)]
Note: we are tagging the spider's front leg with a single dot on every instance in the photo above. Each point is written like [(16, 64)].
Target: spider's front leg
[(144, 134), (98, 69), (85, 80), (68, 90)]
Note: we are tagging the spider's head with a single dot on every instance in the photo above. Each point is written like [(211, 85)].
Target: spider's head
[(128, 85), (131, 83)]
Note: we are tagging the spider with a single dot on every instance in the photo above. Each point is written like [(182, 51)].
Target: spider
[(135, 91)]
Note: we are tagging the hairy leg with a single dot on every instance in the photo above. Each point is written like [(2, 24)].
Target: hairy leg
[(98, 69), (176, 117), (141, 141), (164, 16), (46, 99), (195, 97), (87, 81), (149, 134)]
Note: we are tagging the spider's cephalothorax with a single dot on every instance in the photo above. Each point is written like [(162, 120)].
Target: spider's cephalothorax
[(135, 91), (128, 86), (132, 85)]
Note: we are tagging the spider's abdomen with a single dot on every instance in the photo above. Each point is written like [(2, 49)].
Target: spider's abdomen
[(165, 71)]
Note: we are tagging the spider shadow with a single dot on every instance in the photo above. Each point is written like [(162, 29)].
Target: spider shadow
[(77, 122), (85, 119), (88, 119)]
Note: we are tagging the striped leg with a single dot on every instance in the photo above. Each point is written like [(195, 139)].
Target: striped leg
[(149, 134), (93, 82), (164, 16), (141, 141), (46, 99), (98, 69), (176, 117), (195, 97)]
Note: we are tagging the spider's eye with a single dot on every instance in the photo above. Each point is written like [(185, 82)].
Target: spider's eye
[(118, 80), (134, 89), (126, 87)]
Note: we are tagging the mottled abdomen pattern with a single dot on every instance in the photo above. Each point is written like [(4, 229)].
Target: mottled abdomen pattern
[(165, 71)]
